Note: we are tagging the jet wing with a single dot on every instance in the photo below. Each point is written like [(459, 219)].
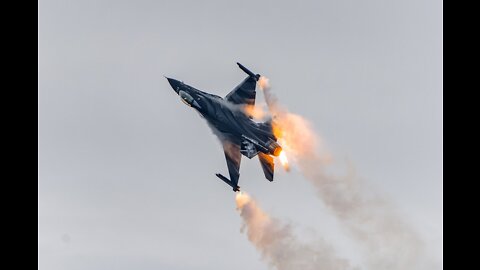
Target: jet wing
[(244, 93), (268, 165), (233, 157)]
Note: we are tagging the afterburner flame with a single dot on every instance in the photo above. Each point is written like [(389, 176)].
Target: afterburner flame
[(284, 160)]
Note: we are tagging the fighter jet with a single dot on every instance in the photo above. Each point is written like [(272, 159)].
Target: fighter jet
[(237, 131)]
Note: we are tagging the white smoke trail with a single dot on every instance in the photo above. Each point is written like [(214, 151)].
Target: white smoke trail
[(279, 246), (373, 222), (390, 243)]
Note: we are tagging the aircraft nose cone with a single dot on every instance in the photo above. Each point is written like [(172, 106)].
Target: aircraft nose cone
[(174, 83)]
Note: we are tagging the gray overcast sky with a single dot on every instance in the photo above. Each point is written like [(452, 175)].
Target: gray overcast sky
[(126, 171)]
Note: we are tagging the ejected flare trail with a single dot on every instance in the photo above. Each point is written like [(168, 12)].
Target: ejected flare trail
[(279, 246)]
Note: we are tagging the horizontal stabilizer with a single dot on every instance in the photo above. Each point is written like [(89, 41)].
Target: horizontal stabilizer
[(267, 165), (228, 182), (251, 74)]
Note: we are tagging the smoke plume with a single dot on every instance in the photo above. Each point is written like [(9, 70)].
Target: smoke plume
[(279, 246), (388, 242)]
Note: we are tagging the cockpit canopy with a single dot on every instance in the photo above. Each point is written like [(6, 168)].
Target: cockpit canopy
[(186, 98)]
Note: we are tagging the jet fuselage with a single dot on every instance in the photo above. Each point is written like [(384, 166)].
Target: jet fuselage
[(227, 120), (238, 133)]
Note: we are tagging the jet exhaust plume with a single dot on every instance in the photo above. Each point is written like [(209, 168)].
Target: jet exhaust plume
[(279, 246), (284, 160), (372, 221)]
